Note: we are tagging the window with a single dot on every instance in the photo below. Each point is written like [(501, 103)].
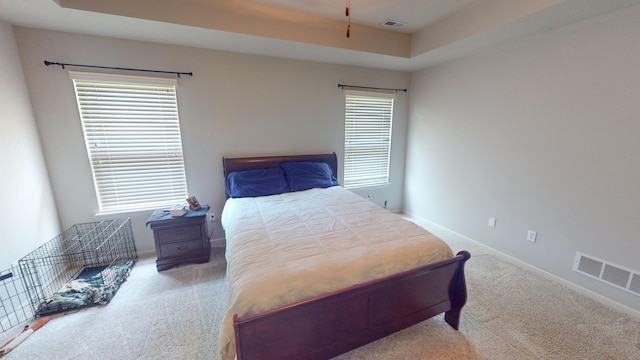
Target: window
[(367, 138), (132, 133)]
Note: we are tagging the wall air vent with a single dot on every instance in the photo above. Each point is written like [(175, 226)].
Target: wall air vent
[(393, 24), (609, 273)]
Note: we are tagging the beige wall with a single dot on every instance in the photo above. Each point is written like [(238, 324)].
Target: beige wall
[(27, 205), (234, 105), (543, 135)]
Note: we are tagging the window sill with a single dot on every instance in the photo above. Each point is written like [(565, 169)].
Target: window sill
[(135, 212), (375, 186)]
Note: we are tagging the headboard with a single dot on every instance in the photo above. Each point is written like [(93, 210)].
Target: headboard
[(230, 165), (263, 162)]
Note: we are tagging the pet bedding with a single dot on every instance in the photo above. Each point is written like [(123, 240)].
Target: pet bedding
[(94, 286)]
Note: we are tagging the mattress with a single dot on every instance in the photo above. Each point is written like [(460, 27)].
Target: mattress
[(285, 248)]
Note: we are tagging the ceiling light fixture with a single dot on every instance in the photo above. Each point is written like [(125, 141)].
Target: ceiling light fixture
[(347, 12)]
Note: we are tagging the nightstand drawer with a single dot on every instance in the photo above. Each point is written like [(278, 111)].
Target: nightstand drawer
[(181, 248), (190, 232)]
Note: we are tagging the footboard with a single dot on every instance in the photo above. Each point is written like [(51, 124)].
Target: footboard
[(332, 324)]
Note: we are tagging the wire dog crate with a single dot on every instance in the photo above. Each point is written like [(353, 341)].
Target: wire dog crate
[(14, 302), (83, 266)]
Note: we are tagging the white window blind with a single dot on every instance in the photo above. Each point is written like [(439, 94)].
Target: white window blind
[(368, 118), (132, 133)]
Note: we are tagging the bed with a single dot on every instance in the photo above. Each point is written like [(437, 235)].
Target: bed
[(314, 271)]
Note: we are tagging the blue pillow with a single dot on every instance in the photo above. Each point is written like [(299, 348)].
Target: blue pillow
[(259, 182), (303, 175)]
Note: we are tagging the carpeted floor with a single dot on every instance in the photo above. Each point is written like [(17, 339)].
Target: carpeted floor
[(513, 313), (175, 314)]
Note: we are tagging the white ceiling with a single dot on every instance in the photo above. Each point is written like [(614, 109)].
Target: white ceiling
[(437, 31), (417, 14)]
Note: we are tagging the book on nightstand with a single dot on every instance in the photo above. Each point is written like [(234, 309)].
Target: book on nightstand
[(177, 210)]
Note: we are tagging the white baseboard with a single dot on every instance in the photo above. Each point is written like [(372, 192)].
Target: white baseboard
[(146, 253), (220, 242), (589, 293)]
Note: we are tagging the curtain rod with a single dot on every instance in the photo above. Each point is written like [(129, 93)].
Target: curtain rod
[(62, 65), (369, 88)]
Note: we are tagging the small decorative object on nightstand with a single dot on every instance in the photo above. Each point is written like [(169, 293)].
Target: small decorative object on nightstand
[(181, 239)]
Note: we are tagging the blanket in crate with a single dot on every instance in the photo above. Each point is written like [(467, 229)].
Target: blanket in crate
[(97, 289)]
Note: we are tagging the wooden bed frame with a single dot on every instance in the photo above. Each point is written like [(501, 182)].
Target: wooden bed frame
[(334, 323)]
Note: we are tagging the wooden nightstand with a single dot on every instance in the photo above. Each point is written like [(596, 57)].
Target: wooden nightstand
[(180, 240)]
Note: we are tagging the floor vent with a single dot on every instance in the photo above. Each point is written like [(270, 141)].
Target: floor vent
[(611, 274)]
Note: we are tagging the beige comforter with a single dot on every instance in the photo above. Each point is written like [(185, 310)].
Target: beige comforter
[(294, 246)]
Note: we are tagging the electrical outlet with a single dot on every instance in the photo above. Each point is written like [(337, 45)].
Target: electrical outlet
[(211, 217), (531, 236), (492, 222)]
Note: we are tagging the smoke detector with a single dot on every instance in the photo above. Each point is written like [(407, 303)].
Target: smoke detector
[(393, 24)]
